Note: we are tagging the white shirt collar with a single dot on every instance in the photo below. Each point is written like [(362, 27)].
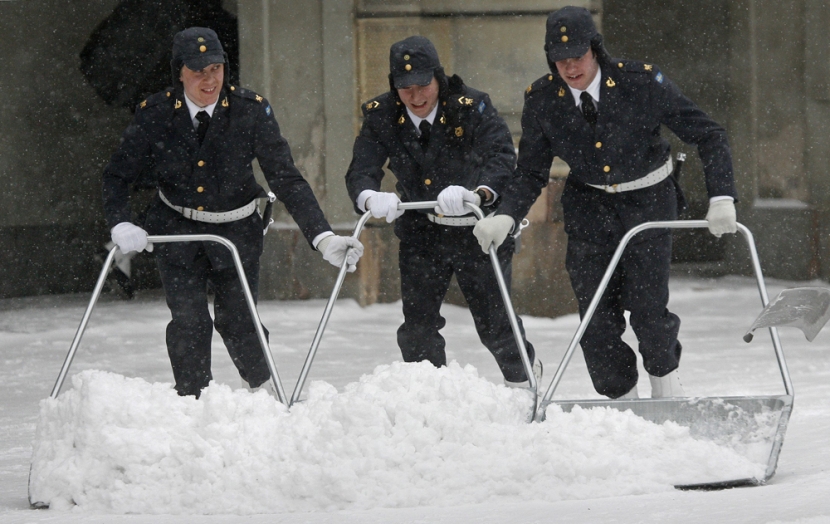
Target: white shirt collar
[(193, 108), (593, 89), (417, 120)]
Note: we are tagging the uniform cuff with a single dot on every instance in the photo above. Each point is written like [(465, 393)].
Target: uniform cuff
[(321, 236), (362, 198), (722, 197)]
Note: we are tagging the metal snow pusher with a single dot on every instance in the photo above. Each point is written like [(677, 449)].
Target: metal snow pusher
[(505, 293), (759, 421), (96, 293), (806, 308)]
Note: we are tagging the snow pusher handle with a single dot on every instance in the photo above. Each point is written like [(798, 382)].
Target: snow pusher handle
[(162, 239), (508, 304), (674, 224)]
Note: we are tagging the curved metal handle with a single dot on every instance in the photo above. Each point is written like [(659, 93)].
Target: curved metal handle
[(162, 239), (514, 324), (674, 224)]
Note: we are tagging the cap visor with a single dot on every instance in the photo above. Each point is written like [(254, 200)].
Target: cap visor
[(202, 61), (565, 51), (405, 80)]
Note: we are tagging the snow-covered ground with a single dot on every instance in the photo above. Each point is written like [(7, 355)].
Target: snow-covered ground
[(378, 441)]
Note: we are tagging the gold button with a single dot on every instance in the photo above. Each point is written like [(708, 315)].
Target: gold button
[(599, 145), (620, 64), (606, 169), (200, 189), (200, 208), (201, 163), (202, 48), (200, 39), (168, 94), (427, 181), (406, 57), (564, 38), (550, 77), (233, 88), (408, 67)]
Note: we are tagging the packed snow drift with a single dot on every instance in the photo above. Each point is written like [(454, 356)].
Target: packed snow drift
[(406, 435)]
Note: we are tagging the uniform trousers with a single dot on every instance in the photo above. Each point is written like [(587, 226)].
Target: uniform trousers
[(640, 284), (429, 255), (190, 331)]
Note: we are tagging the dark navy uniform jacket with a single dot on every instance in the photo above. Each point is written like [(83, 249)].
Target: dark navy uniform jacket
[(470, 145), (635, 99), (161, 144)]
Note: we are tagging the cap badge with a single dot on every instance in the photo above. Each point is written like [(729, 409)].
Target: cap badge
[(563, 29), (406, 57), (200, 39), (647, 67), (610, 82), (459, 131)]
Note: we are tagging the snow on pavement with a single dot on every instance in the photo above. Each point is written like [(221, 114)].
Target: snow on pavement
[(124, 346), (406, 435)]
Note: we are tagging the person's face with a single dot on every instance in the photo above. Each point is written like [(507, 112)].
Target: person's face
[(202, 87), (578, 73), (421, 100)]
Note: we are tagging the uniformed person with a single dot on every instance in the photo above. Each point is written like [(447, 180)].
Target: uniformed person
[(602, 116), (445, 142), (198, 140)]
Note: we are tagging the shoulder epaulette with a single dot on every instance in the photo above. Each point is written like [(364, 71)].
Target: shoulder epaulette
[(378, 103), (156, 99), (541, 83), (634, 66), (246, 93), (639, 68)]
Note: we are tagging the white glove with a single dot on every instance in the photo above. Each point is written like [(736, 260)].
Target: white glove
[(721, 217), (384, 205), (336, 248), (451, 201), (493, 230), (129, 237)]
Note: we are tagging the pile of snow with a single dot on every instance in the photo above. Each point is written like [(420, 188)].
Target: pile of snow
[(406, 435)]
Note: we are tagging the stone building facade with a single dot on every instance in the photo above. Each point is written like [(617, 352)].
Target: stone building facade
[(766, 79)]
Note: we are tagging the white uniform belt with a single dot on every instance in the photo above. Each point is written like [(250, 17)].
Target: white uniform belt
[(210, 217), (452, 221), (655, 177)]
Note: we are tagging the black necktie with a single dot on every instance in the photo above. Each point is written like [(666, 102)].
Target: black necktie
[(425, 127), (204, 122), (588, 108)]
